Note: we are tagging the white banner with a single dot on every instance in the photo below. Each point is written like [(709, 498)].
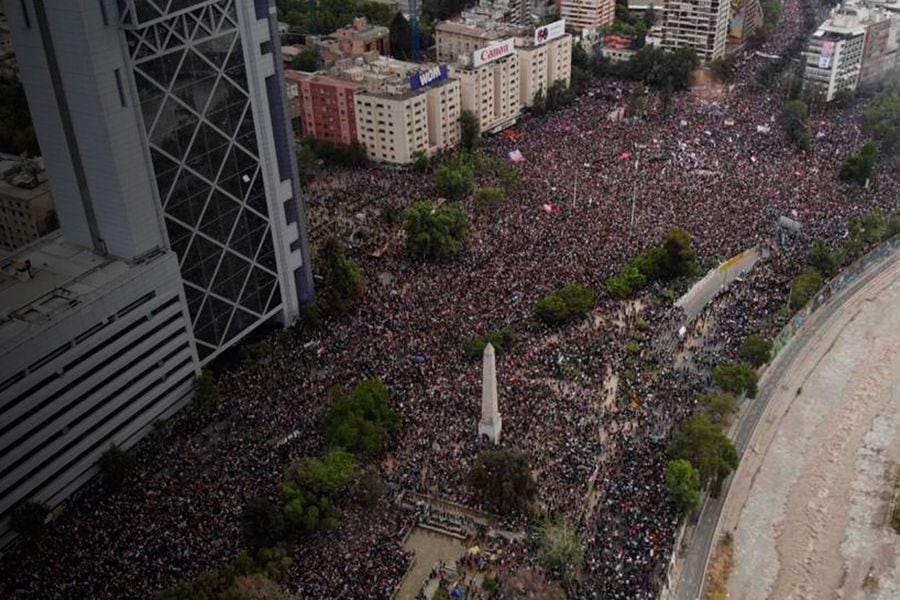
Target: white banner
[(493, 52), (549, 32)]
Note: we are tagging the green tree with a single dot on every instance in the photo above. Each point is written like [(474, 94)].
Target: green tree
[(795, 117), (469, 130), (719, 407), (454, 180), (559, 549), (874, 227), (491, 197), (262, 523), (566, 304), (116, 465), (804, 287), (702, 443), (360, 420), (16, 129), (882, 119), (206, 395), (680, 258), (823, 259), (858, 167), (434, 232), (503, 481), (343, 284), (401, 37), (683, 482), (310, 487), (420, 161), (736, 378), (500, 339), (756, 350), (29, 520), (307, 61)]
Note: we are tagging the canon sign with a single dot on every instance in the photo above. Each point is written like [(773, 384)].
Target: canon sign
[(493, 52)]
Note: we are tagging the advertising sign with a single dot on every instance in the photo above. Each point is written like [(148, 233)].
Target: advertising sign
[(493, 52), (824, 62), (549, 32), (426, 78), (827, 48)]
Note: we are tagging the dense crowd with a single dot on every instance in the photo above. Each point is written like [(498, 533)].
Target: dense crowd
[(705, 167)]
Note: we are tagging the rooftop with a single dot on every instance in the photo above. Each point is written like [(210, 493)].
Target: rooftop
[(62, 277)]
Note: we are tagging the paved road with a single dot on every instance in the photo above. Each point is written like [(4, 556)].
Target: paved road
[(690, 583)]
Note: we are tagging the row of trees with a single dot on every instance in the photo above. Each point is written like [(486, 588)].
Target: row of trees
[(675, 258), (658, 68), (332, 14), (700, 452)]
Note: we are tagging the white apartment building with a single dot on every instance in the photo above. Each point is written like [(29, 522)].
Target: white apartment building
[(94, 349), (698, 24), (834, 56), (587, 14), (543, 64), (394, 125), (491, 91)]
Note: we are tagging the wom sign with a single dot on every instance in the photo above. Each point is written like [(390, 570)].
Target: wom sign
[(426, 78)]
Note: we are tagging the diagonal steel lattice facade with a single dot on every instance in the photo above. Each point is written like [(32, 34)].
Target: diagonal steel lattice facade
[(190, 73)]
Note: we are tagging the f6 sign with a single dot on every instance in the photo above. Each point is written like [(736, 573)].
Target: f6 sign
[(549, 32)]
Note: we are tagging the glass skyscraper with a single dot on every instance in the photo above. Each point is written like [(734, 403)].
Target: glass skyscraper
[(189, 92)]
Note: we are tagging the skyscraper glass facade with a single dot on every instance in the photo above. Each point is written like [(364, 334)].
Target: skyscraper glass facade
[(190, 74)]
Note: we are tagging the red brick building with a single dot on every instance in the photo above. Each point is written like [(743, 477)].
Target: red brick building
[(326, 107)]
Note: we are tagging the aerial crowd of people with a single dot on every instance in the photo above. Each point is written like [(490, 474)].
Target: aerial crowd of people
[(719, 165)]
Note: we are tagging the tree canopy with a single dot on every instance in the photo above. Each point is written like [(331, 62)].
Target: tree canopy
[(804, 287), (16, 129), (116, 465), (823, 259), (310, 487), (360, 420), (882, 119), (343, 284), (756, 350), (719, 407), (28, 519), (262, 523), (794, 117), (469, 130), (683, 482), (435, 232), (503, 481), (332, 14), (858, 167), (736, 378), (500, 339), (559, 549), (307, 61), (702, 443), (566, 304)]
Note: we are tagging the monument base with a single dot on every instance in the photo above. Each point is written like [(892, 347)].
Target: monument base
[(491, 430)]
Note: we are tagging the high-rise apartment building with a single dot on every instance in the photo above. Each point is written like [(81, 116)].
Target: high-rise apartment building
[(489, 85), (698, 24), (164, 125), (587, 14)]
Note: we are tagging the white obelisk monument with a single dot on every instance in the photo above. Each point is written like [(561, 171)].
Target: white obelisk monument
[(490, 423)]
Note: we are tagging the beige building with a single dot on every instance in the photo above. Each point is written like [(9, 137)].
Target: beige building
[(26, 203), (540, 66), (698, 24), (587, 14), (394, 125), (491, 91), (455, 42)]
